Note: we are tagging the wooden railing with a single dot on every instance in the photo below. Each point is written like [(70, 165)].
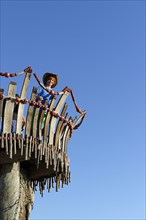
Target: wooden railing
[(41, 147)]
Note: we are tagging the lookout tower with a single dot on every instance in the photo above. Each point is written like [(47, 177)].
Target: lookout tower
[(37, 156)]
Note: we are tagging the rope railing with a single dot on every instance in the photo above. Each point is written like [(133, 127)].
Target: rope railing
[(7, 75), (44, 107), (59, 93), (29, 70), (38, 104)]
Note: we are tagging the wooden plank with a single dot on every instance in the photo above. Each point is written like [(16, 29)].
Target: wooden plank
[(58, 127), (14, 141), (30, 113), (60, 139), (2, 141), (42, 113), (26, 148), (67, 138), (35, 122), (1, 102), (21, 106), (30, 146), (58, 108), (9, 107), (6, 143), (46, 128), (1, 111), (10, 146), (40, 122), (65, 135), (63, 131)]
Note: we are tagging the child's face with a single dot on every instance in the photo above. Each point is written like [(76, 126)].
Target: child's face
[(51, 81)]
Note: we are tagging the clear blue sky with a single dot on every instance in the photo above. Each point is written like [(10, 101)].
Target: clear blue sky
[(98, 50)]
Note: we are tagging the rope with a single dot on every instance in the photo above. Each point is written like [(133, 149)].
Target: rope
[(48, 90), (38, 104), (59, 93), (7, 75)]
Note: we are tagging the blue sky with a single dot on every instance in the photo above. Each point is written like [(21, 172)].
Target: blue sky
[(98, 50)]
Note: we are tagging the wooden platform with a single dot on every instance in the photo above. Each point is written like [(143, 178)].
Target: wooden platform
[(41, 148)]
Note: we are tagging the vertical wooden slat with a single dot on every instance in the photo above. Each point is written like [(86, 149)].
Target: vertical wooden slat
[(6, 143), (58, 108), (46, 127), (9, 107), (14, 141), (47, 157), (21, 106), (75, 122), (33, 143), (21, 143), (2, 141), (62, 134), (26, 148), (41, 118), (1, 102), (1, 121), (35, 122), (34, 129), (58, 127), (10, 145), (30, 146), (65, 135), (60, 138), (30, 113)]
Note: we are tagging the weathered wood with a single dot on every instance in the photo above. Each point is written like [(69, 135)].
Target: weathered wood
[(58, 127), (38, 155), (14, 142), (26, 147), (6, 143), (22, 146), (35, 122), (63, 129), (10, 145), (30, 146), (40, 122), (68, 134), (64, 148), (21, 106), (9, 107), (2, 140), (60, 138), (1, 103), (30, 113), (46, 127), (1, 118), (54, 119), (40, 150)]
